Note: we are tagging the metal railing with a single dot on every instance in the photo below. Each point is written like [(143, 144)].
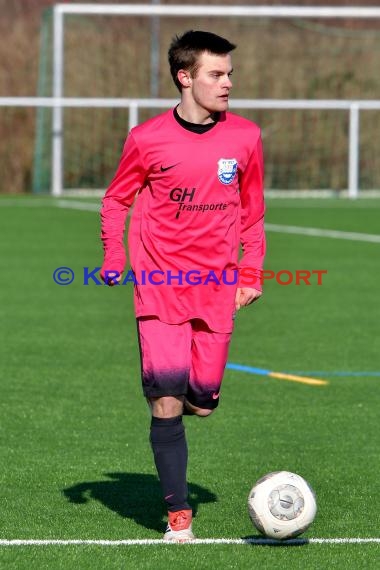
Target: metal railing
[(58, 102), (134, 105)]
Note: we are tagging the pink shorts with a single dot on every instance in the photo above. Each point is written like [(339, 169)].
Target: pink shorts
[(182, 360)]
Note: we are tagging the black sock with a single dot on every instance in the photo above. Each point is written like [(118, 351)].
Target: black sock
[(167, 437)]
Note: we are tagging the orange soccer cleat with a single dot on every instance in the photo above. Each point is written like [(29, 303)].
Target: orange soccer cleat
[(179, 526)]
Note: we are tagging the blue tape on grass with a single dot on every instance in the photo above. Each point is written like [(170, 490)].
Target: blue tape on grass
[(249, 369), (263, 372)]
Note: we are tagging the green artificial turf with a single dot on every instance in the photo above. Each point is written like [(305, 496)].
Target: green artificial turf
[(74, 449)]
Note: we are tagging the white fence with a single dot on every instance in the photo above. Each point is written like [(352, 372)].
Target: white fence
[(58, 102), (133, 105)]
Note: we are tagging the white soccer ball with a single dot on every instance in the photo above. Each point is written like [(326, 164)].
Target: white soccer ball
[(282, 505)]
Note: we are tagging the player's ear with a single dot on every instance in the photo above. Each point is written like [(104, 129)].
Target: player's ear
[(184, 78)]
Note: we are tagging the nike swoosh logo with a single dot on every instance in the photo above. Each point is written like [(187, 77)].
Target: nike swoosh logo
[(215, 395), (165, 168)]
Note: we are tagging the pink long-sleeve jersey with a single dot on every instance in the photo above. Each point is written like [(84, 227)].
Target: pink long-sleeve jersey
[(199, 197)]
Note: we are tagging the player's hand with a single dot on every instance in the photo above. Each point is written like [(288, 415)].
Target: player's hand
[(112, 281), (111, 278), (245, 296)]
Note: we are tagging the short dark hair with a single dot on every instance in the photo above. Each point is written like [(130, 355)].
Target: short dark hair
[(185, 50)]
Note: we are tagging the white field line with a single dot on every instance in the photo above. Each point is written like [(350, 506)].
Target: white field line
[(336, 234), (321, 205), (73, 205), (41, 202), (317, 232), (160, 542), (297, 230), (28, 203)]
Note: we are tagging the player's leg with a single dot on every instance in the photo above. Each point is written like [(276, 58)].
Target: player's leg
[(165, 359), (190, 410), (208, 362)]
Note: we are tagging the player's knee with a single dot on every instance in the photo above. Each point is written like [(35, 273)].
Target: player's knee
[(166, 406)]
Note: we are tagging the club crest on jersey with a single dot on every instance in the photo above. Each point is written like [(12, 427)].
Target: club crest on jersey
[(227, 168)]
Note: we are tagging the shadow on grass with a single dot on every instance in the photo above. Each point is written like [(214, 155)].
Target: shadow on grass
[(263, 541), (136, 496)]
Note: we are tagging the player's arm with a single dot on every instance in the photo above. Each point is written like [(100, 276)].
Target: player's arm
[(129, 178), (252, 234)]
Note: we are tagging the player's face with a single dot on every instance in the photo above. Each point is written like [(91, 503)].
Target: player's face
[(211, 85)]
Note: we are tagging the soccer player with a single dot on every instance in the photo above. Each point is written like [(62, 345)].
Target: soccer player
[(197, 172)]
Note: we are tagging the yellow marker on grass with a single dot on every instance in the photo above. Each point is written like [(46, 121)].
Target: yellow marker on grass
[(277, 375)]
